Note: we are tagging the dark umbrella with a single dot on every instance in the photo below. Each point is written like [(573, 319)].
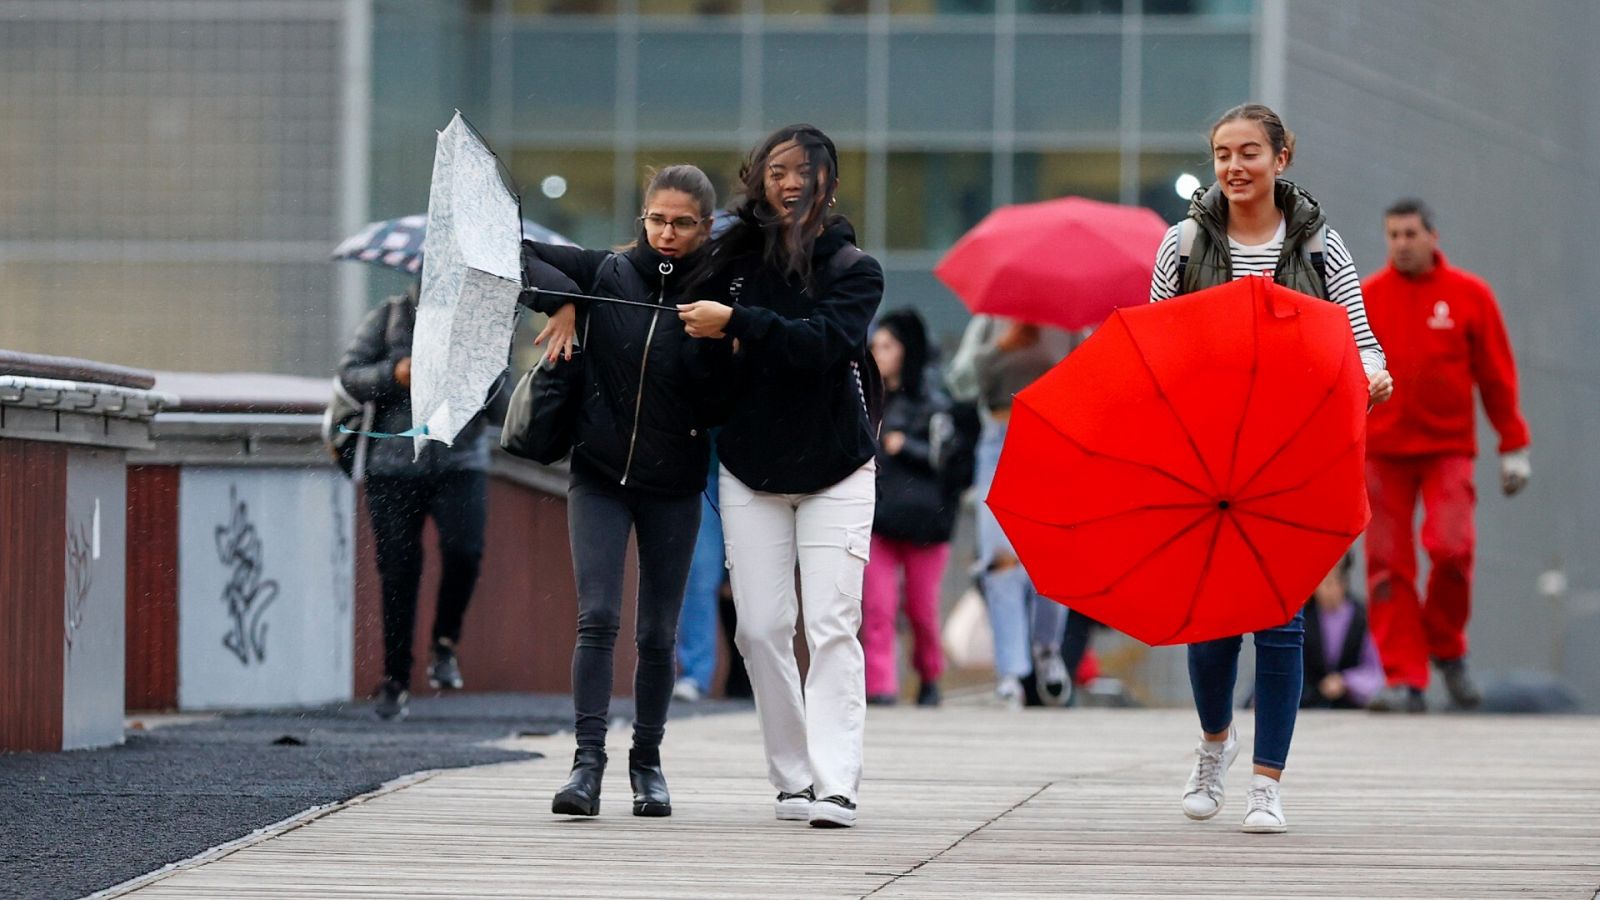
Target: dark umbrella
[(397, 243)]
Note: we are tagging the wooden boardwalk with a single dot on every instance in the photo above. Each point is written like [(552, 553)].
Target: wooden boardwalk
[(973, 802)]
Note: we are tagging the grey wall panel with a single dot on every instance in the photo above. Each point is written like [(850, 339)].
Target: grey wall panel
[(264, 587), (1488, 110), (96, 512)]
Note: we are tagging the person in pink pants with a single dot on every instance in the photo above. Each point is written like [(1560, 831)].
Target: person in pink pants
[(924, 463)]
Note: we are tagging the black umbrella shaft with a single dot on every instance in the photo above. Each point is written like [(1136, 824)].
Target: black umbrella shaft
[(600, 299)]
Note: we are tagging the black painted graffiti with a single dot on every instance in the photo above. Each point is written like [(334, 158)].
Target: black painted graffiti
[(80, 578), (246, 594)]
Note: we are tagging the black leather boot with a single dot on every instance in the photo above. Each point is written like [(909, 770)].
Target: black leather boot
[(580, 796), (650, 797)]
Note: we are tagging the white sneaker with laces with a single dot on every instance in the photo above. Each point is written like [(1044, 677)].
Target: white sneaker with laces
[(1202, 795), (686, 690), (1009, 692), (1264, 807)]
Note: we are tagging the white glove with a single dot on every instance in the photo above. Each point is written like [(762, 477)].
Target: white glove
[(1515, 470)]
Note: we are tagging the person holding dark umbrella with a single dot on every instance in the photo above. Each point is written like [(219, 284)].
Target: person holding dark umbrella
[(1252, 222)]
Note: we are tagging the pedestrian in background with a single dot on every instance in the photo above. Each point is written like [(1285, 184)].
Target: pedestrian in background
[(447, 482), (788, 284), (1251, 221), (1445, 337), (1341, 661), (996, 359), (924, 463), (639, 462)]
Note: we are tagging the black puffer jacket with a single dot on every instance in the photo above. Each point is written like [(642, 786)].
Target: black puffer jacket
[(919, 488), (651, 390), (798, 422), (367, 371)]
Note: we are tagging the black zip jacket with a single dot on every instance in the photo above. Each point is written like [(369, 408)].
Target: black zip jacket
[(798, 422), (650, 389)]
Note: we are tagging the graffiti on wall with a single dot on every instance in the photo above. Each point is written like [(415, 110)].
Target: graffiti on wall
[(246, 595), (80, 577)]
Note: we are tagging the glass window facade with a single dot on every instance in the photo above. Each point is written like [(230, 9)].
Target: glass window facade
[(941, 109)]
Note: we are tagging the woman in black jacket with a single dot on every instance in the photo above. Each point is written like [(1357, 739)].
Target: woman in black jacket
[(639, 461), (924, 463), (786, 283)]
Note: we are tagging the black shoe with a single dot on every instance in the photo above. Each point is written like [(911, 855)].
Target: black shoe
[(928, 694), (1399, 698), (444, 673), (392, 700), (882, 699), (580, 796), (650, 797), (833, 812), (1463, 693)]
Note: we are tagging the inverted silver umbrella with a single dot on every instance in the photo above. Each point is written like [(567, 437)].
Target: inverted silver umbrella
[(471, 275)]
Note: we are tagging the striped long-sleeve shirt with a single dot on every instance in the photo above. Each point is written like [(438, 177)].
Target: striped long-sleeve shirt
[(1344, 285)]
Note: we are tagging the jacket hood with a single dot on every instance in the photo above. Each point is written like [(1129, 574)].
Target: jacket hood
[(1301, 212)]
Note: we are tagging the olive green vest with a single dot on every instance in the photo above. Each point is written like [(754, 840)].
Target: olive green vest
[(1209, 262)]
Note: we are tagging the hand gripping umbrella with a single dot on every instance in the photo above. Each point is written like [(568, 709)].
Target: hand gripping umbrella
[(1194, 468), (471, 275)]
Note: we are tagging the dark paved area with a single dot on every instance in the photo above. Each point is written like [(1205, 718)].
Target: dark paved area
[(74, 823)]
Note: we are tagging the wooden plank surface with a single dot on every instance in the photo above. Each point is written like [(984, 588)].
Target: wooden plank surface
[(968, 801)]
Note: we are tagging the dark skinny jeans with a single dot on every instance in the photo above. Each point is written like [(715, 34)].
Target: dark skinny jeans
[(599, 517), (398, 507), (1280, 659)]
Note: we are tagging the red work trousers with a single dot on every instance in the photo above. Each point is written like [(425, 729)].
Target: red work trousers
[(1410, 629)]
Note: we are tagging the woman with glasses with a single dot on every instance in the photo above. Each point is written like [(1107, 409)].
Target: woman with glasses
[(639, 462)]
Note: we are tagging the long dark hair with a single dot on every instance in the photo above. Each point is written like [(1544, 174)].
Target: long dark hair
[(785, 244)]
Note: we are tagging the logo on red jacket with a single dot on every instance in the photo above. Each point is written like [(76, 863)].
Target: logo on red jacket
[(1441, 320)]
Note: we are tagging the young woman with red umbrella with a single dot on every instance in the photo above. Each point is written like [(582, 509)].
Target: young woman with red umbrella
[(1253, 222)]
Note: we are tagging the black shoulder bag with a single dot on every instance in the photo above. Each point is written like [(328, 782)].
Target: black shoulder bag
[(542, 415)]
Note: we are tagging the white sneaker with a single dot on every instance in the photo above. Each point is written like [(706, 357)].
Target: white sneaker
[(1202, 796), (794, 807), (1050, 674), (686, 690), (1009, 692), (1264, 807)]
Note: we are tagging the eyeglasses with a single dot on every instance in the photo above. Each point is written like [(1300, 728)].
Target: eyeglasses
[(659, 223)]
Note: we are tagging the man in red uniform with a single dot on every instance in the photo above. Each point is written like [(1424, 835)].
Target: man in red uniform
[(1442, 332)]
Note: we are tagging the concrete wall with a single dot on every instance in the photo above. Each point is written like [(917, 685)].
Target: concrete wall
[(1487, 109)]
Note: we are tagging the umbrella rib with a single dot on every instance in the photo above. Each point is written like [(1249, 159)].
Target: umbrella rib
[(1331, 532), (1199, 584), (1097, 520), (1261, 562), (1136, 563), (1317, 473), (1132, 462), (1160, 392), (1304, 424), (1249, 398)]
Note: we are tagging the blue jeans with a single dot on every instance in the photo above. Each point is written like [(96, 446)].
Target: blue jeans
[(1214, 666), (697, 625), (1019, 616)]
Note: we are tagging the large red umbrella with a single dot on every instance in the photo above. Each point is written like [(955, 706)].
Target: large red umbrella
[(1194, 468), (1066, 262)]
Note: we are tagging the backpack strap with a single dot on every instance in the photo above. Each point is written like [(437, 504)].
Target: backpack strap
[(1316, 248), (1187, 229)]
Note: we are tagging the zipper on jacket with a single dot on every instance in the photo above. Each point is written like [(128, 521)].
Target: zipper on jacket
[(644, 362)]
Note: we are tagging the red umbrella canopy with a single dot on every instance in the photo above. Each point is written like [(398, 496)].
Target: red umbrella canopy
[(1066, 262), (1195, 467)]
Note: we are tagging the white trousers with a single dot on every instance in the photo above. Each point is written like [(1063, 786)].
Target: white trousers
[(812, 738)]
